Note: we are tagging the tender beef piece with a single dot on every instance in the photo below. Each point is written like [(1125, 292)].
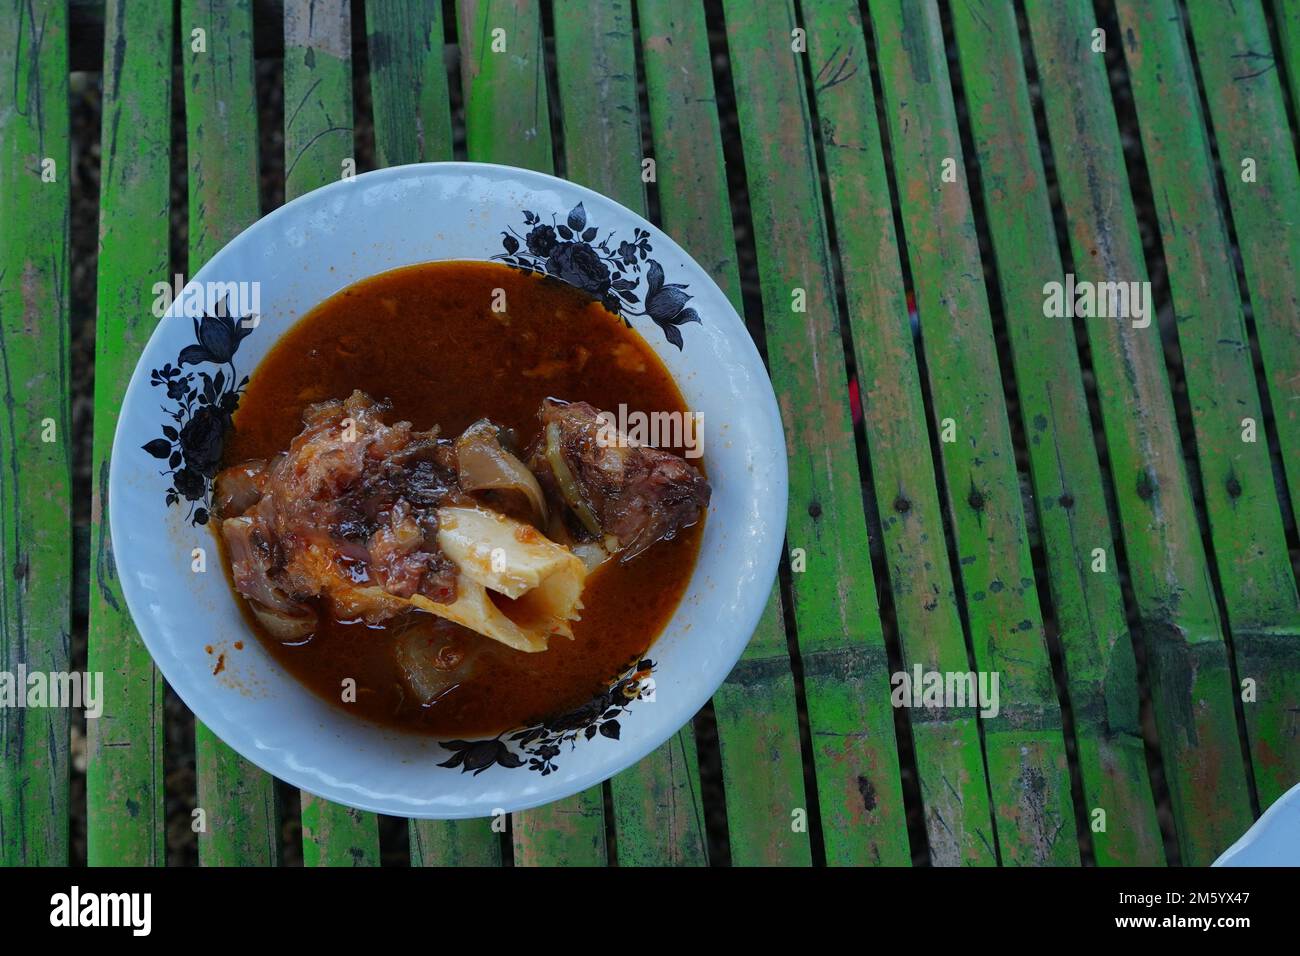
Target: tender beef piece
[(347, 513), (637, 494)]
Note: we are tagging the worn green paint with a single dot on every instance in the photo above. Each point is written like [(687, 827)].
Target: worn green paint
[(412, 115), (455, 843), (1249, 120), (317, 94), (756, 713), (35, 425), (507, 120), (335, 835), (954, 784), (1286, 14), (1068, 492), (1236, 477), (221, 144), (1187, 659), (846, 670), (658, 814), (1024, 744), (658, 808), (595, 62), (568, 832), (125, 818), (317, 151), (759, 738), (692, 181), (408, 82)]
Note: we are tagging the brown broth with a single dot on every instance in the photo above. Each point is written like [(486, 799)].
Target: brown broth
[(426, 339)]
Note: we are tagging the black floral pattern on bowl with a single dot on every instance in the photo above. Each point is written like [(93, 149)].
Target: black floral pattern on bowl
[(622, 277), (201, 410), (537, 747)]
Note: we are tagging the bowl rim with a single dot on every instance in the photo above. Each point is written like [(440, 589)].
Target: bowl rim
[(612, 761)]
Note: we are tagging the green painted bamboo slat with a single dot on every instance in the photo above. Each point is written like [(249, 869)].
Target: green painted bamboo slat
[(412, 115), (125, 817), (507, 120), (455, 843), (317, 151), (841, 643), (1236, 476), (595, 61), (1024, 745), (1187, 660), (1286, 14), (758, 734), (35, 425), (658, 813), (317, 94), (1249, 119), (1069, 496), (687, 138), (335, 835), (954, 784), (507, 117), (756, 713), (568, 832), (408, 81), (221, 143)]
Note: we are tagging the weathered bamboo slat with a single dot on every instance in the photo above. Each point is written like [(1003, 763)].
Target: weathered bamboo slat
[(317, 94), (412, 115), (507, 120), (841, 643), (1024, 744), (954, 784), (1249, 121), (408, 82), (758, 735), (1186, 657), (125, 815), (335, 835), (35, 426), (658, 814), (1069, 496), (317, 151), (1249, 124), (1245, 515), (238, 799), (454, 843), (507, 112), (1286, 14), (757, 718)]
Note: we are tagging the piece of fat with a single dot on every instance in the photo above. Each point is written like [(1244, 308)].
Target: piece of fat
[(543, 579)]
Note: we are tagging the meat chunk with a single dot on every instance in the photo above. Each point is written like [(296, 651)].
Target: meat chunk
[(372, 520), (348, 514), (634, 494)]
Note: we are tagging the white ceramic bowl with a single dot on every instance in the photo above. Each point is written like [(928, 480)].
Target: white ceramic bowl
[(301, 254)]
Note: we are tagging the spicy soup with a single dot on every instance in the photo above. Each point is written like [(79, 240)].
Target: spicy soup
[(427, 339)]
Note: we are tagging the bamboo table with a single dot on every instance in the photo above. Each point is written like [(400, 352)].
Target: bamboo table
[(1099, 509)]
